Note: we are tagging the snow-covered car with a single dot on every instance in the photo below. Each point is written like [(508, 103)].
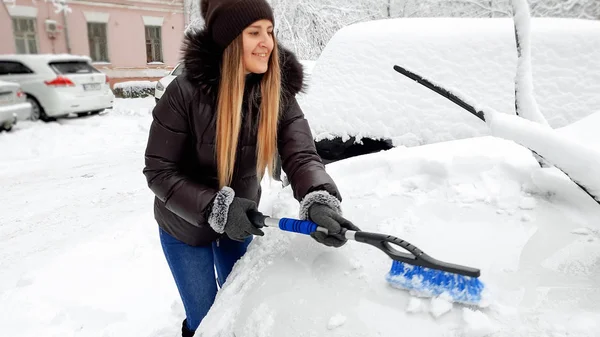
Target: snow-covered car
[(161, 85), (358, 95), (458, 201), (13, 105), (463, 197), (58, 85)]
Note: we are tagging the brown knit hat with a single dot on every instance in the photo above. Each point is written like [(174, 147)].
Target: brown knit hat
[(226, 19)]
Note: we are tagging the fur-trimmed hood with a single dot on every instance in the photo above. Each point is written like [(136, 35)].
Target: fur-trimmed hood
[(202, 63)]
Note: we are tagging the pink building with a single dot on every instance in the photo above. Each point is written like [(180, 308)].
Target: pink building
[(126, 39)]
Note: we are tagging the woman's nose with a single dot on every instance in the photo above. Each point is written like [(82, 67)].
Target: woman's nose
[(265, 41)]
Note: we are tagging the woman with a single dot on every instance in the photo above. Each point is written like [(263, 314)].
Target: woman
[(216, 130)]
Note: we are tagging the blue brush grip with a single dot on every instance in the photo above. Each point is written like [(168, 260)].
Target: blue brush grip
[(297, 226)]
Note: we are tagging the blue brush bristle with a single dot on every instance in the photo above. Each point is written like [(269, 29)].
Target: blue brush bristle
[(431, 282)]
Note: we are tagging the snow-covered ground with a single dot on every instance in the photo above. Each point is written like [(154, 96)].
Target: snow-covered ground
[(80, 256)]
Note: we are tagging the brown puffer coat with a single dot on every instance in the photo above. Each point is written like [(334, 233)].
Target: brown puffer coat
[(180, 164)]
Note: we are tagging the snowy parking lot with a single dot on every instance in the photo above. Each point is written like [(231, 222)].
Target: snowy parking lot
[(74, 204)]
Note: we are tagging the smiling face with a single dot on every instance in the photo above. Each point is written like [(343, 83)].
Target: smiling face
[(258, 45)]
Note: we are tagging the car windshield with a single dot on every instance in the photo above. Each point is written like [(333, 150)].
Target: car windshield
[(72, 67)]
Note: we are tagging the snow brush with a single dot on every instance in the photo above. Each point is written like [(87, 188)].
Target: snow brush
[(417, 272)]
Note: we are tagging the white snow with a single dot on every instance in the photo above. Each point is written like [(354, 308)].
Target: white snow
[(575, 158), (354, 90), (420, 194), (440, 305), (477, 324), (336, 321), (415, 305), (525, 96), (135, 85), (136, 72), (308, 66), (585, 130), (80, 254)]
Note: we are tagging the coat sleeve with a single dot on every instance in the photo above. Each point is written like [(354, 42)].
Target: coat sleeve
[(301, 162), (167, 139)]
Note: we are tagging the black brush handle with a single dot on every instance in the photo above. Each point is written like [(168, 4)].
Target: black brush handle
[(416, 257)]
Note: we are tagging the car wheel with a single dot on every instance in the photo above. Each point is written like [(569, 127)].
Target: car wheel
[(6, 126), (37, 112)]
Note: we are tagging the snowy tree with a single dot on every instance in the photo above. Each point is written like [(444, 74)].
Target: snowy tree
[(583, 9), (59, 5), (306, 26), (192, 14)]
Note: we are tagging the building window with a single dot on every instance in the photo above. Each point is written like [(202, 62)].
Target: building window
[(25, 37), (153, 44), (98, 41)]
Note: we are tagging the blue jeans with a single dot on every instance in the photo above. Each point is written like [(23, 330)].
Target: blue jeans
[(193, 269)]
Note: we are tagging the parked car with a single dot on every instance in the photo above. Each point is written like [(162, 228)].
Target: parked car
[(13, 105), (58, 85), (162, 84)]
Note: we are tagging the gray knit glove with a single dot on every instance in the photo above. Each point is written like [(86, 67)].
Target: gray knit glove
[(327, 217), (238, 227)]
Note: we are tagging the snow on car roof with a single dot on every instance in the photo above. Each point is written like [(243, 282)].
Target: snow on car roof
[(45, 57), (354, 90)]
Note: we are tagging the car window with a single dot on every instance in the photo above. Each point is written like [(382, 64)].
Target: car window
[(72, 67), (13, 68), (178, 70)]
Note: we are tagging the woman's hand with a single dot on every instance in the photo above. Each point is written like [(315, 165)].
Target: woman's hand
[(238, 227), (328, 218)]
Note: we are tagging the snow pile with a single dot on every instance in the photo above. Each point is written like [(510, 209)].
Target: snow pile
[(136, 72), (574, 158), (134, 89), (128, 85), (359, 94)]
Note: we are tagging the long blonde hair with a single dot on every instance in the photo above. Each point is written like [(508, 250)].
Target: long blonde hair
[(229, 112)]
